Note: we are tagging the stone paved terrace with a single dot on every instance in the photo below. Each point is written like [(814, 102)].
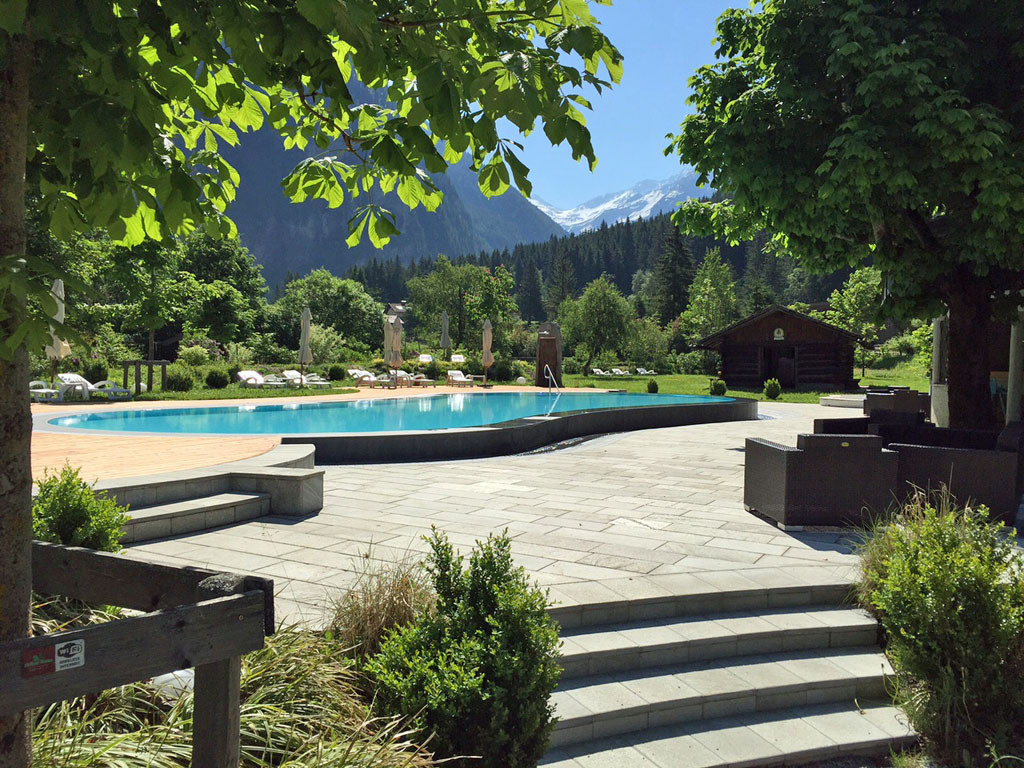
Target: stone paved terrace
[(620, 516)]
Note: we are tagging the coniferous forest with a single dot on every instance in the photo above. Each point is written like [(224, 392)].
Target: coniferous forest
[(628, 253)]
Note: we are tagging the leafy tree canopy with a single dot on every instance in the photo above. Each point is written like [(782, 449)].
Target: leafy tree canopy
[(893, 131), (494, 301), (446, 288), (600, 319), (334, 301), (713, 303), (130, 102)]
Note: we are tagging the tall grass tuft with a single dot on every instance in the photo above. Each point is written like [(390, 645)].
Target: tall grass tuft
[(948, 588), (300, 707), (385, 596)]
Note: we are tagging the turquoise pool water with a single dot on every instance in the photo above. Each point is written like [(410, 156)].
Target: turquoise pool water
[(451, 411)]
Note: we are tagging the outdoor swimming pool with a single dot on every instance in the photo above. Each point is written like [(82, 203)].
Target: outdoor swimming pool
[(401, 414)]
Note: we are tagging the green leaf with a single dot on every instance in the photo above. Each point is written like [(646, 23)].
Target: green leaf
[(12, 15), (493, 178)]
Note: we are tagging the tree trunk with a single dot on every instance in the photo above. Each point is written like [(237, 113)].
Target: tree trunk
[(970, 312), (15, 416)]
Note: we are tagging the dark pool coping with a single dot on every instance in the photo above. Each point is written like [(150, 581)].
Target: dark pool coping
[(514, 437)]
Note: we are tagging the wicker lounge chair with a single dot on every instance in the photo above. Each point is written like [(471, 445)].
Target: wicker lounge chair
[(824, 480)]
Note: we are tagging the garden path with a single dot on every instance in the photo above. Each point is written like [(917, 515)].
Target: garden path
[(628, 515)]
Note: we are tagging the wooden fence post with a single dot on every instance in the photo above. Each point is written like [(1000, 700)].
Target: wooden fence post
[(216, 716)]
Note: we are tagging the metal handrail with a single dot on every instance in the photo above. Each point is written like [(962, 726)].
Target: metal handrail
[(550, 376)]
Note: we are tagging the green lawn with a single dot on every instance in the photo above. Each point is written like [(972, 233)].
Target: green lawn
[(693, 384), (235, 392)]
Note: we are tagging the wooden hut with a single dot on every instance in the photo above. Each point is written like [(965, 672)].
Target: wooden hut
[(778, 343)]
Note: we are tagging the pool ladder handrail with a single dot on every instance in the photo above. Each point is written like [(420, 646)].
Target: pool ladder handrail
[(550, 376)]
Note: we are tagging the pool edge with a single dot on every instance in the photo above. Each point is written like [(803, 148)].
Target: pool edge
[(519, 437)]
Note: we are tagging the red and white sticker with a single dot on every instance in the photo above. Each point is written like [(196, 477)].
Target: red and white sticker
[(53, 658), (37, 662)]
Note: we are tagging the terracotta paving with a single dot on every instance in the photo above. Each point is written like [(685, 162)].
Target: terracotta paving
[(102, 457)]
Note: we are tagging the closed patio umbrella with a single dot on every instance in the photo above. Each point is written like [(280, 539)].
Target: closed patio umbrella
[(446, 342), (57, 349), (305, 353), (487, 358)]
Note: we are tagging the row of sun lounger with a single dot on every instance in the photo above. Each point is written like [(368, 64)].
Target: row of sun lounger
[(72, 386), (256, 380), (619, 372)]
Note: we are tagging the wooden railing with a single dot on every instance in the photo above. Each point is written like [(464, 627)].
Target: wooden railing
[(193, 618)]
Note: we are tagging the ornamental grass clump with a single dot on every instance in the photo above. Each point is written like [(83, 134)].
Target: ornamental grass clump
[(478, 669), (299, 707), (385, 596), (66, 510), (947, 586)]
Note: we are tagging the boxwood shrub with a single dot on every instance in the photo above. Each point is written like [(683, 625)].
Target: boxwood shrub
[(478, 669), (948, 588), (179, 378), (217, 378), (66, 510)]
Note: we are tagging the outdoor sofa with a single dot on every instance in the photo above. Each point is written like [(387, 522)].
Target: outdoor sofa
[(825, 480), (983, 466)]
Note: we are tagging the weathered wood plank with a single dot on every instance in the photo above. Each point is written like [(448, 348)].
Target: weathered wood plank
[(216, 722), (217, 719), (127, 650), (102, 577)]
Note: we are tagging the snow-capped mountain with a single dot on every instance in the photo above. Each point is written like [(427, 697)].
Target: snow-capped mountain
[(646, 198)]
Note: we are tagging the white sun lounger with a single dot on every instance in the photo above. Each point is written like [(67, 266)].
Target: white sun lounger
[(367, 379), (255, 380), (296, 379), (103, 389), (459, 379)]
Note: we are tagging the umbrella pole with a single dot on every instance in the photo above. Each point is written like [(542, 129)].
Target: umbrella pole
[(53, 371)]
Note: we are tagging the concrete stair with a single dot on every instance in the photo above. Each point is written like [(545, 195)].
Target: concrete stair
[(198, 514), (766, 676)]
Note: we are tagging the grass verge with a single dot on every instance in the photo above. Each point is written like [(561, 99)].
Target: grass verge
[(697, 384), (300, 707), (233, 392)]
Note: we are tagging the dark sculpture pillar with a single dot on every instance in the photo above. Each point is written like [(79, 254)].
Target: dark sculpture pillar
[(549, 353)]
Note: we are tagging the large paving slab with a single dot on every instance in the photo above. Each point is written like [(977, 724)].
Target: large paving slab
[(620, 516)]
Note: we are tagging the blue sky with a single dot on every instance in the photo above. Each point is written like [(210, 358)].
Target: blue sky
[(663, 42)]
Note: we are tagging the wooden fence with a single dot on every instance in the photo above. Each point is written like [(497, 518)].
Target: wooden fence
[(192, 618)]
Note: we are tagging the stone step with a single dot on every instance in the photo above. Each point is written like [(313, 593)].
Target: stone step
[(756, 739), (162, 520), (598, 706), (704, 598), (677, 640)]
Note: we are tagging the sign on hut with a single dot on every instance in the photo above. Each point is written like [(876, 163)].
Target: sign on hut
[(778, 343)]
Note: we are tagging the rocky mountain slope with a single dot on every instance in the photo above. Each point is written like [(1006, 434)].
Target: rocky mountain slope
[(646, 198), (289, 239)]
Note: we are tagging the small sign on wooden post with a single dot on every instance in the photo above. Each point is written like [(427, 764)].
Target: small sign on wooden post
[(199, 619)]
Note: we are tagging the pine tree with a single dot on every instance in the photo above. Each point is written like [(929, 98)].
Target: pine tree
[(562, 284), (672, 275), (531, 304)]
